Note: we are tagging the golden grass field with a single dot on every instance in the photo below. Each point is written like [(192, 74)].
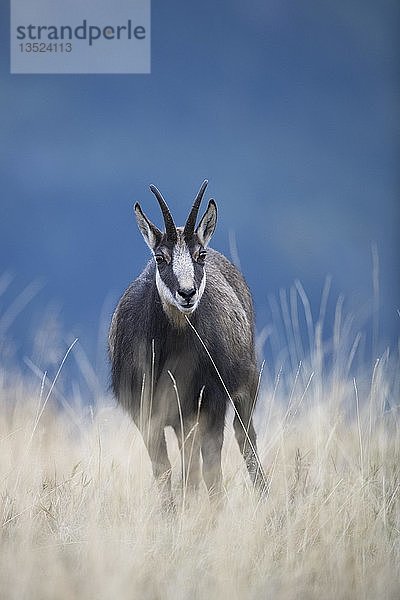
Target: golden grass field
[(80, 515), (81, 518)]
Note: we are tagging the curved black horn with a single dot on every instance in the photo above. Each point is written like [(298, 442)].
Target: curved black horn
[(170, 228), (191, 220)]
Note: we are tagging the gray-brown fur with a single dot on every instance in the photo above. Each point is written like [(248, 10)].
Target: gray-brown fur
[(150, 340)]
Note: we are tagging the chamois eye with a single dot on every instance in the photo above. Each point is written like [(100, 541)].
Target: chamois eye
[(202, 256), (159, 259)]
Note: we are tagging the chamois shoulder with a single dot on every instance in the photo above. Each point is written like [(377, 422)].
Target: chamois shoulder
[(220, 271), (133, 308), (141, 288)]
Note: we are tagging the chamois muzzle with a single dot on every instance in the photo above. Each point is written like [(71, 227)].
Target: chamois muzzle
[(187, 296)]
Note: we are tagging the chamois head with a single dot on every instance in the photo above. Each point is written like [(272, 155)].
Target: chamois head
[(179, 252)]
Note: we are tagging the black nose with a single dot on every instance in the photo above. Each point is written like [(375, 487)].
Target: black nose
[(187, 294)]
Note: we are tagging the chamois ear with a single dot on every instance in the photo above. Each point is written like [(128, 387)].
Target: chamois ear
[(152, 235), (207, 224)]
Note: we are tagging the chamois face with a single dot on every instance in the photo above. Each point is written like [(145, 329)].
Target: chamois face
[(180, 253), (180, 275)]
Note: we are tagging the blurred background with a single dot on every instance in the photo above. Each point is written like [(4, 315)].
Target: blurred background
[(290, 109)]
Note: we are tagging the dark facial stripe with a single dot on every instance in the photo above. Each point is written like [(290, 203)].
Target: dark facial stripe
[(168, 277)]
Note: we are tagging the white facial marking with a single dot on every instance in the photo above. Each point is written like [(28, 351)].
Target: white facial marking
[(182, 266), (183, 269), (163, 290)]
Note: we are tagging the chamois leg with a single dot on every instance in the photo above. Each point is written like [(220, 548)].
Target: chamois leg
[(212, 438), (190, 453), (157, 449), (247, 441)]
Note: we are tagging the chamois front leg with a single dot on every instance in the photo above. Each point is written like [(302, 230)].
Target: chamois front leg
[(212, 437), (157, 449), (190, 453), (247, 441)]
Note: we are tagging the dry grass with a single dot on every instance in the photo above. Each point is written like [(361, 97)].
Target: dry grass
[(80, 516)]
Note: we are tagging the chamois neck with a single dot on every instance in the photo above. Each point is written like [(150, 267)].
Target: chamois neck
[(175, 317)]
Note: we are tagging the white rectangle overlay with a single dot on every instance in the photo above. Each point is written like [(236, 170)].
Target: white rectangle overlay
[(72, 36)]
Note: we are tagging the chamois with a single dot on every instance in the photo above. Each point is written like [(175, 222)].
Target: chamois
[(181, 344)]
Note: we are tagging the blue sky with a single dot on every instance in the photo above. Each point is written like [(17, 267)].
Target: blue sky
[(288, 108)]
